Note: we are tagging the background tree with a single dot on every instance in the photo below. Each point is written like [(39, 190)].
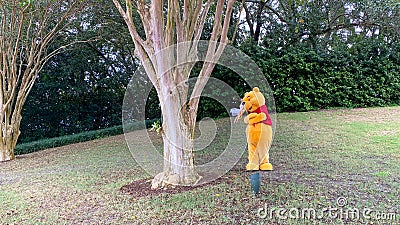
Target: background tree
[(288, 22), (167, 23), (322, 54), (28, 27), (82, 89)]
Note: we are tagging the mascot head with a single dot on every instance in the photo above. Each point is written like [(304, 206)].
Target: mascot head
[(253, 100)]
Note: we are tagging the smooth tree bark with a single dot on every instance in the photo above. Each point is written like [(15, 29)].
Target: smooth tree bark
[(27, 28), (168, 24)]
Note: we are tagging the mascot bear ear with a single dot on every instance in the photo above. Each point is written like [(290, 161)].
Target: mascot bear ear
[(256, 89)]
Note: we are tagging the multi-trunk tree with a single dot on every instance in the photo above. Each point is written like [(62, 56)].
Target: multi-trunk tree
[(27, 28), (167, 24), (88, 95)]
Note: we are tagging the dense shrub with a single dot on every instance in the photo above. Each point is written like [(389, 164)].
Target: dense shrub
[(76, 138), (303, 79)]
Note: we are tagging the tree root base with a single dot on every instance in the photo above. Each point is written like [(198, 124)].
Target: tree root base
[(5, 157), (162, 180)]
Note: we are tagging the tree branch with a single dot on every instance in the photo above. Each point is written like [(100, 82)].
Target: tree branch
[(131, 26), (275, 12), (200, 23), (344, 26), (212, 55), (238, 22), (157, 23), (144, 12), (170, 26), (248, 19)]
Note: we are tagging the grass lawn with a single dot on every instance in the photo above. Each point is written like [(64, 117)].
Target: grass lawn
[(331, 163)]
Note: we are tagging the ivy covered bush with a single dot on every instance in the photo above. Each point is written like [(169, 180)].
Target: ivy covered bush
[(303, 79)]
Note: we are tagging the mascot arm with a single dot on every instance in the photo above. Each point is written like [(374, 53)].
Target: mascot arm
[(253, 118)]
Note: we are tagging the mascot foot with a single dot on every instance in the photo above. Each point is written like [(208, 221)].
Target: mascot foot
[(266, 166), (252, 166)]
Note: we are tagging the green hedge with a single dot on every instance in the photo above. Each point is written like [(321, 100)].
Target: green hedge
[(303, 79), (34, 146)]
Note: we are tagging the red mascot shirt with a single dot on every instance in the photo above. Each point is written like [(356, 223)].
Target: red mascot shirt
[(264, 109)]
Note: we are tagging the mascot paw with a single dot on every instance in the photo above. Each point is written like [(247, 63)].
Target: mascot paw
[(266, 166), (252, 166)]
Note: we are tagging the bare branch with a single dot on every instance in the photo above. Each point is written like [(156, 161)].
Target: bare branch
[(142, 48), (170, 26), (276, 13), (212, 55), (198, 28), (248, 19), (129, 11), (26, 34), (157, 22), (131, 26), (217, 22), (144, 13), (238, 21), (46, 58), (180, 29)]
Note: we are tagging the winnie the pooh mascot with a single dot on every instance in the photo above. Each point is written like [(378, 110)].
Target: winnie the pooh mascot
[(258, 131)]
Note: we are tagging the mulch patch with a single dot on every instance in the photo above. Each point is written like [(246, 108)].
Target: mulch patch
[(142, 188)]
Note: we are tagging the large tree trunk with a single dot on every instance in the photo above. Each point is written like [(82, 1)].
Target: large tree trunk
[(7, 150), (8, 142), (178, 135), (179, 22)]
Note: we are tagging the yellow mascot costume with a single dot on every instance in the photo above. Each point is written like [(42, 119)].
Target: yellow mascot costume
[(258, 131)]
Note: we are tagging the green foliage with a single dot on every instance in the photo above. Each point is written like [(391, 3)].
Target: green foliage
[(34, 146), (304, 78), (156, 126), (65, 140), (308, 66), (82, 89), (25, 3)]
